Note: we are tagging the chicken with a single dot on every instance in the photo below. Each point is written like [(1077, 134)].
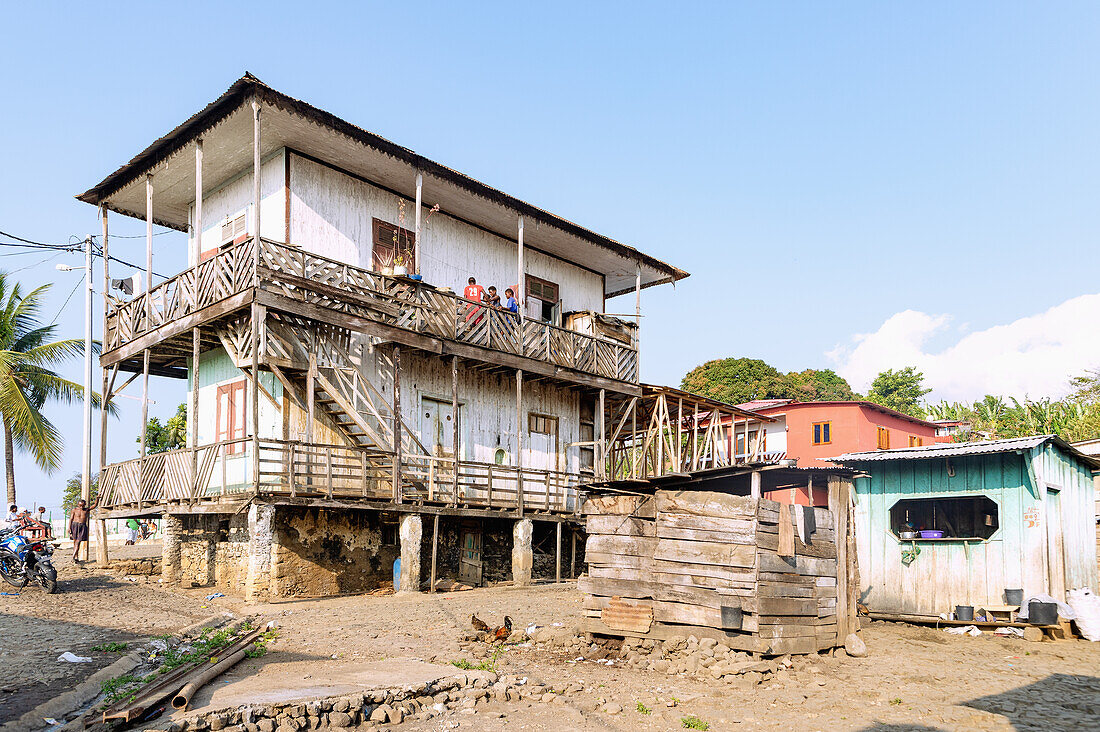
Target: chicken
[(479, 625), (502, 633)]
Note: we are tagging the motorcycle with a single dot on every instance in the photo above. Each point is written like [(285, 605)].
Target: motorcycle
[(24, 560)]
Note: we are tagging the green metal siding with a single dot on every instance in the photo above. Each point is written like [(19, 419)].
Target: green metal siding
[(947, 573)]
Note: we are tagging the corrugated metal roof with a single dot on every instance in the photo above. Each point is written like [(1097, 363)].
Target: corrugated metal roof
[(957, 449), (764, 403)]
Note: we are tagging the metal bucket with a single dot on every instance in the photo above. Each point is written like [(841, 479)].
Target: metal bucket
[(1014, 597), (964, 613), (1042, 613)]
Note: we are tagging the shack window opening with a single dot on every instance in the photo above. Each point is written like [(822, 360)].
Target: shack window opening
[(969, 517), (915, 441), (823, 433)]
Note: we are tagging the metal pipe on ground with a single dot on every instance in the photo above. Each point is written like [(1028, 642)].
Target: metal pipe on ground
[(183, 697)]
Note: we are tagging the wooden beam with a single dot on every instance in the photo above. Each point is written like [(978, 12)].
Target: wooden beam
[(255, 393), (311, 394), (519, 441), (196, 248), (754, 484), (456, 435), (196, 344), (397, 496)]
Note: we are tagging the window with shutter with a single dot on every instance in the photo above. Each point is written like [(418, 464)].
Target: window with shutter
[(230, 419), (389, 240), (883, 438), (546, 293)]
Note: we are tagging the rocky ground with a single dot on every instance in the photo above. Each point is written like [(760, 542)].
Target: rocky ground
[(913, 678)]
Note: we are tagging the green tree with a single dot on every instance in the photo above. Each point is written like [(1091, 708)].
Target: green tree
[(28, 353), (900, 390), (1086, 387), (736, 380), (72, 491), (819, 385), (171, 435)]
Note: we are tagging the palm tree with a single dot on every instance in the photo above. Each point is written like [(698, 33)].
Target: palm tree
[(27, 355)]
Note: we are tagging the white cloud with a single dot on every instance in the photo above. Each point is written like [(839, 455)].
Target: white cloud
[(1033, 356)]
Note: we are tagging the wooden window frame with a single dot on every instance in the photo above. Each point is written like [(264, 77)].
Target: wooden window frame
[(826, 426), (382, 235), (882, 435), (915, 441), (537, 283), (232, 430)]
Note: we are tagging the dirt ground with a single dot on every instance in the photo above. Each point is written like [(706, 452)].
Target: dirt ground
[(91, 608), (914, 678)]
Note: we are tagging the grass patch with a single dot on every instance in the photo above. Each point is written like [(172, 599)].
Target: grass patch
[(895, 702), (118, 688), (110, 647), (465, 665), (693, 722), (259, 648), (643, 709)]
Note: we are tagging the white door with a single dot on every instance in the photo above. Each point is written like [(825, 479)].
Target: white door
[(542, 442), (437, 427)]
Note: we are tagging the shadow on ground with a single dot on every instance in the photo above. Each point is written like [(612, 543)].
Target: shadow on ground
[(1060, 701)]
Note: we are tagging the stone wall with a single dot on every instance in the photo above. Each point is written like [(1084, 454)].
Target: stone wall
[(329, 552), (197, 539), (231, 555)]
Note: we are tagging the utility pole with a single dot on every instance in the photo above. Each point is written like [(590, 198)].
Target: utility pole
[(86, 448)]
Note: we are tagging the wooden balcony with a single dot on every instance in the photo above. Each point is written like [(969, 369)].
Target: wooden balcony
[(396, 308), (230, 472)]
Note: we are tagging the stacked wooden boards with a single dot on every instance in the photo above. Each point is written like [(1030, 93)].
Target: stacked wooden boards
[(708, 564)]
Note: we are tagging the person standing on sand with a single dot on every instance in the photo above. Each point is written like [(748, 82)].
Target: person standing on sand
[(78, 527)]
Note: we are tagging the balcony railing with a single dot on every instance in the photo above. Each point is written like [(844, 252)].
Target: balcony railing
[(396, 301), (226, 469)]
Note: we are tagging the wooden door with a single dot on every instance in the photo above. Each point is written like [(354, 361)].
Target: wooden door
[(1056, 558), (469, 559)]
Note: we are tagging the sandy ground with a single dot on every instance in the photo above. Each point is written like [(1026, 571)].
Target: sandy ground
[(90, 609), (913, 678)]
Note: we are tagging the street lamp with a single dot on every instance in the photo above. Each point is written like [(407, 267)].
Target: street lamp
[(86, 451)]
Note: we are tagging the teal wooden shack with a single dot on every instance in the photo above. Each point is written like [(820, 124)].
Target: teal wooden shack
[(959, 523)]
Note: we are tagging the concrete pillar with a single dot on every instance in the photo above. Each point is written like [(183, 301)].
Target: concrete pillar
[(411, 532), (171, 528), (261, 541), (523, 557)]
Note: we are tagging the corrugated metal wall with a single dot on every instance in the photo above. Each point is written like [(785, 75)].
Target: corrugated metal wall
[(947, 573)]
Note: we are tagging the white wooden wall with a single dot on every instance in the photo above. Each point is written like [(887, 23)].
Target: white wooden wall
[(216, 369), (231, 196), (331, 214)]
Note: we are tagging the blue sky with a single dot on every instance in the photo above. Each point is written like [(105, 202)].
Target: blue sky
[(852, 186)]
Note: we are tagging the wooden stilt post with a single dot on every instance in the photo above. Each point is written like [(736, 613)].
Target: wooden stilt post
[(101, 548), (600, 420), (144, 417), (519, 429), (456, 435), (435, 545), (557, 555), (397, 497), (754, 484), (311, 395), (256, 312), (695, 438), (196, 246), (634, 438), (196, 343), (255, 395)]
